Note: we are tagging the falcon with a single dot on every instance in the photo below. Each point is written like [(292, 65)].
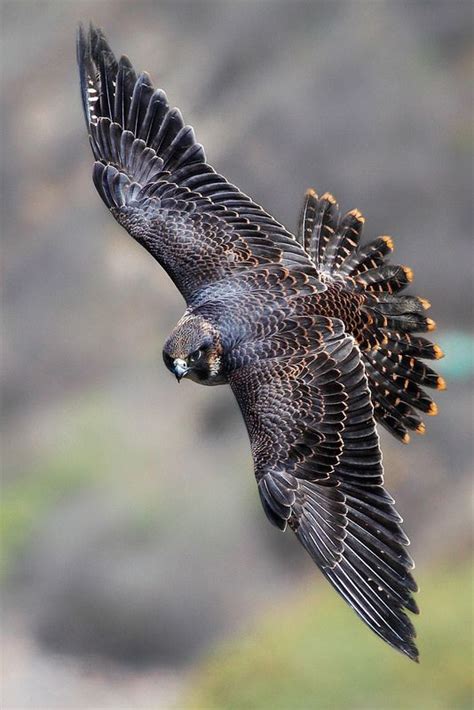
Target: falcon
[(310, 330)]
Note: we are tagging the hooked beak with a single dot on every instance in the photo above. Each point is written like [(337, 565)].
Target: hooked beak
[(180, 368)]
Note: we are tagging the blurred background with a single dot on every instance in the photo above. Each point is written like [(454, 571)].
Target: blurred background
[(138, 568)]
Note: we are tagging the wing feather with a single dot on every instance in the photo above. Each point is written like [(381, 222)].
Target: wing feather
[(135, 133), (319, 471)]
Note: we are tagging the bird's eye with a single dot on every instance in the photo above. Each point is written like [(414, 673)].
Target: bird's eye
[(194, 357)]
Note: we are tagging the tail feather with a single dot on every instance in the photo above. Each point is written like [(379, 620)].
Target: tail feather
[(391, 415), (387, 278), (367, 257), (318, 223), (412, 369), (399, 313), (387, 319), (404, 388), (346, 241), (414, 346)]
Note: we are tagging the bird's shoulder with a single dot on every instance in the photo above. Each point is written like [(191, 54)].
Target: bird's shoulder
[(261, 307)]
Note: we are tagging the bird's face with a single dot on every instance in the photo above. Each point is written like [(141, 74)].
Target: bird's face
[(194, 350)]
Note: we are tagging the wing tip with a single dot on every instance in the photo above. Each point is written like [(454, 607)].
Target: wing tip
[(88, 39), (410, 650)]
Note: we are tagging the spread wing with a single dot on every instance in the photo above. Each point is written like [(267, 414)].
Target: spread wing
[(153, 176), (319, 469)]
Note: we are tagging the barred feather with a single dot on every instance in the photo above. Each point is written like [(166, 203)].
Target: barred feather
[(381, 319)]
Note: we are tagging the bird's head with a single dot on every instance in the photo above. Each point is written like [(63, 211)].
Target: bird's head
[(194, 350)]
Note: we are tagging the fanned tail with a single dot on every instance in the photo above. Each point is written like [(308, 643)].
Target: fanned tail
[(364, 291)]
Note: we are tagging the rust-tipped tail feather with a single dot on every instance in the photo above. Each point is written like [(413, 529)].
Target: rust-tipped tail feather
[(386, 321)]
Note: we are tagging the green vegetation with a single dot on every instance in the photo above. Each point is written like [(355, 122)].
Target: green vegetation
[(85, 454), (29, 499), (26, 501), (312, 654)]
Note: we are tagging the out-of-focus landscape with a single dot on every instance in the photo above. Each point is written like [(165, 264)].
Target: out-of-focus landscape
[(138, 569)]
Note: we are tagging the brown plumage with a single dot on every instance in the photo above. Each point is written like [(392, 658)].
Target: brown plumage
[(310, 332)]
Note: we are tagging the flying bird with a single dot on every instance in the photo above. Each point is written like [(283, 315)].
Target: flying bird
[(310, 330)]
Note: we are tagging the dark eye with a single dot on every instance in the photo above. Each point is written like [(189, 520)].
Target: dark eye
[(194, 357)]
